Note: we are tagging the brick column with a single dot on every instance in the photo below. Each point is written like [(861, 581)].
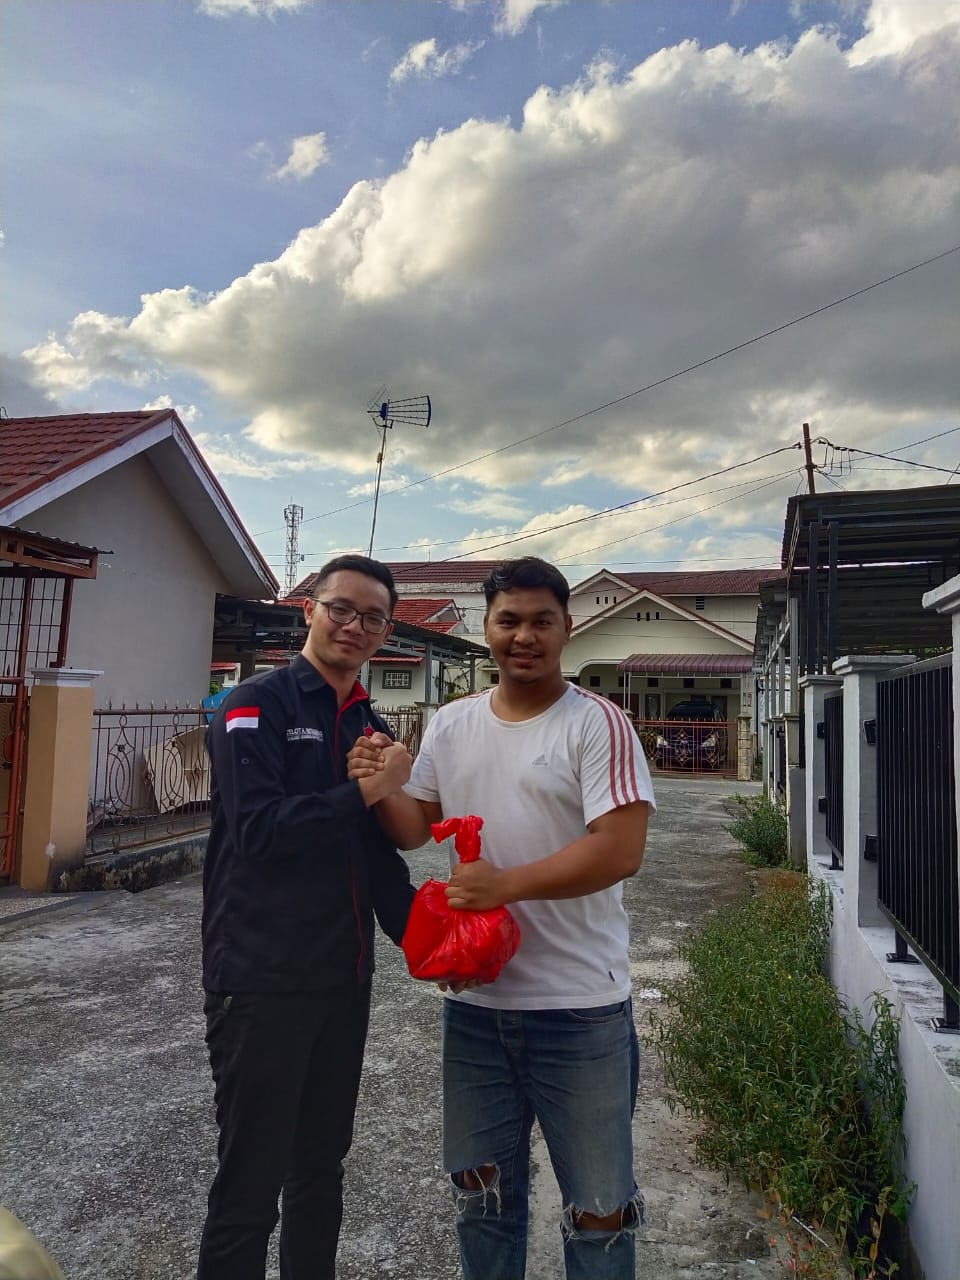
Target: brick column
[(54, 833)]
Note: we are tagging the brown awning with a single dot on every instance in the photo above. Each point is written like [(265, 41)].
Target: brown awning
[(688, 664)]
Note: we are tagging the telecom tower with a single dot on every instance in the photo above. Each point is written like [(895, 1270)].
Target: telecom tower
[(292, 515)]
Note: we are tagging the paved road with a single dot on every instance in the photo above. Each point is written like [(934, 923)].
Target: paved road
[(106, 1130)]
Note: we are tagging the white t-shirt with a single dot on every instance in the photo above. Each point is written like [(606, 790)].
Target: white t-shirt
[(537, 784)]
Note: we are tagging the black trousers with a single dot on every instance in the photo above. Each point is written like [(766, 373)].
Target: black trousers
[(286, 1069)]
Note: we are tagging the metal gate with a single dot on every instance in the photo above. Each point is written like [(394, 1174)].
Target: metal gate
[(36, 587)]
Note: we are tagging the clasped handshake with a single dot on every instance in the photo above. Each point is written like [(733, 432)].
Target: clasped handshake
[(382, 766)]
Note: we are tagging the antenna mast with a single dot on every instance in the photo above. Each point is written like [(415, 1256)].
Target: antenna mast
[(292, 515), (416, 411)]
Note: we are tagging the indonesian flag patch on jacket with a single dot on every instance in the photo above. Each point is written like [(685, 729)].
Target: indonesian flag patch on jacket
[(243, 718)]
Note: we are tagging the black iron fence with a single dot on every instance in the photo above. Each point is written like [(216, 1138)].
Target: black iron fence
[(918, 872), (149, 776), (833, 769)]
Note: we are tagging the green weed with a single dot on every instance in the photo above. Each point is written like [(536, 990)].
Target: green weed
[(794, 1093), (760, 827)]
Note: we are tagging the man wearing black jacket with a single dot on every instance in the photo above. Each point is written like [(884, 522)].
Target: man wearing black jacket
[(296, 868)]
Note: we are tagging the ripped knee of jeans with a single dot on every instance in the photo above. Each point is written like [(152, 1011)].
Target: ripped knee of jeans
[(474, 1190), (603, 1228)]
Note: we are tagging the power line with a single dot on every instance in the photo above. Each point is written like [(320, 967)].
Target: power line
[(583, 519), (596, 515), (887, 457), (690, 515), (650, 386)]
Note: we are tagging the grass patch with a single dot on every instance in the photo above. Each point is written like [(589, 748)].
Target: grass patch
[(795, 1094), (760, 827)]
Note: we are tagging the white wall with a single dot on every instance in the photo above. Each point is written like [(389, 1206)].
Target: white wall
[(147, 619), (619, 636)]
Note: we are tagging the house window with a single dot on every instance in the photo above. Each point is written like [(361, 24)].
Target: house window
[(495, 678), (598, 599), (653, 682), (606, 599), (620, 681), (397, 679), (726, 684), (699, 603), (594, 682), (688, 682)]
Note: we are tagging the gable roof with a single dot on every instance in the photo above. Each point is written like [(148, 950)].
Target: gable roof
[(422, 612), (631, 602), (43, 458)]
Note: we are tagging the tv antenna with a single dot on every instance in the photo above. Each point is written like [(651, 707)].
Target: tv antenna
[(414, 411)]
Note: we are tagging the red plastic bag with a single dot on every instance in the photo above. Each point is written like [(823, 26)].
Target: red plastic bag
[(447, 944)]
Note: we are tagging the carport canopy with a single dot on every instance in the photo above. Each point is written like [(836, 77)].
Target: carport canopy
[(687, 664)]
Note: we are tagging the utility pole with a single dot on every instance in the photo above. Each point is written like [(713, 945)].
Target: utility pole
[(808, 454), (292, 515)]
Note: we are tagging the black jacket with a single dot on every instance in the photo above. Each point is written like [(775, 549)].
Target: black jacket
[(296, 864)]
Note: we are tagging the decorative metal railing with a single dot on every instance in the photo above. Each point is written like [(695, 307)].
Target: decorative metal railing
[(917, 872), (690, 746), (149, 776), (406, 725)]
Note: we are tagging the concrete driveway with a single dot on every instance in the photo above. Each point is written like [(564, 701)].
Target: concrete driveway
[(107, 1139)]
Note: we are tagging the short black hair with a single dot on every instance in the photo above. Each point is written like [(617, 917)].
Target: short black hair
[(358, 564), (526, 574)]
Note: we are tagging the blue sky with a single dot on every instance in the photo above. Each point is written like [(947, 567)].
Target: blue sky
[(259, 211)]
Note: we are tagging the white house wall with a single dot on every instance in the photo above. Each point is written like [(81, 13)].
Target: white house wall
[(147, 619), (619, 637)]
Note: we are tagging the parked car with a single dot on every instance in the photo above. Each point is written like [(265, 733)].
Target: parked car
[(693, 736)]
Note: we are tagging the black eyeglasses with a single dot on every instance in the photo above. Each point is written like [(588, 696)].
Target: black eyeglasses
[(342, 614)]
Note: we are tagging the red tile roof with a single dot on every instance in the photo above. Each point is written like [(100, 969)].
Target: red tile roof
[(34, 451), (688, 664), (696, 582), (421, 611), (691, 582), (442, 570)]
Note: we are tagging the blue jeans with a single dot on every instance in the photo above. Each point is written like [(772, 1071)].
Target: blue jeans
[(573, 1070)]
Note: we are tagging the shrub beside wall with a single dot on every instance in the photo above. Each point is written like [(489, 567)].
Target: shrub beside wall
[(794, 1093)]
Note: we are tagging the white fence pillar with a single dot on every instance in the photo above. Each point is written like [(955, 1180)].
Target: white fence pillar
[(815, 689), (860, 674)]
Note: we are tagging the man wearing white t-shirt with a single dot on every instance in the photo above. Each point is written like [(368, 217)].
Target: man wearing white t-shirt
[(562, 785)]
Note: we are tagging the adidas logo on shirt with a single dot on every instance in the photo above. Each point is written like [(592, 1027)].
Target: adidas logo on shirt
[(541, 760)]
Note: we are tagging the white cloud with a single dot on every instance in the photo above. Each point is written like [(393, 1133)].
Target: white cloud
[(307, 154), (226, 456), (188, 414), (495, 506), (892, 26), (632, 224), (250, 8), (425, 60), (95, 346), (513, 15)]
